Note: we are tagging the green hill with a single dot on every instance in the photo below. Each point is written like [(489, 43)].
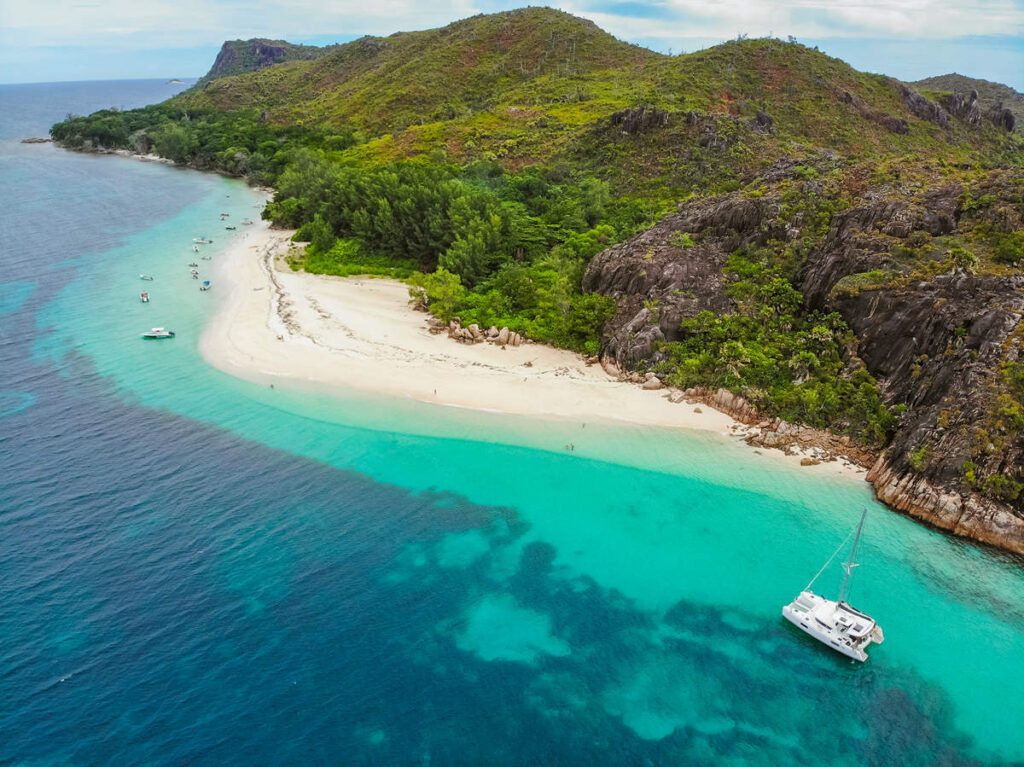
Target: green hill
[(490, 79), (541, 86), (989, 93), (388, 83), (538, 85)]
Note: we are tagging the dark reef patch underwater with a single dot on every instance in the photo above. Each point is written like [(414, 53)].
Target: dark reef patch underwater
[(197, 572)]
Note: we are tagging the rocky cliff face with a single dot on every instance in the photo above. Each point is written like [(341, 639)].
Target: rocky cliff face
[(938, 345), (666, 265), (938, 335), (984, 96), (240, 56)]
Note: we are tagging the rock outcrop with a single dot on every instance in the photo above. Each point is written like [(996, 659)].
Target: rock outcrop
[(1002, 118), (472, 334), (986, 94), (853, 244), (964, 107), (922, 108), (665, 274), (969, 516), (638, 119)]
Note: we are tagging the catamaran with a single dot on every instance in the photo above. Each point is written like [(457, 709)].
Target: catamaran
[(836, 624)]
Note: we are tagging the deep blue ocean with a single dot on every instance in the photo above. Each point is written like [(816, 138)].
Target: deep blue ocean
[(199, 570)]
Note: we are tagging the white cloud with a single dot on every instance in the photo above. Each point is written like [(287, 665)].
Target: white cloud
[(175, 23), (138, 24), (905, 19)]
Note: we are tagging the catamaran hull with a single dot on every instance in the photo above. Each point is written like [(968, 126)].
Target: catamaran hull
[(810, 628)]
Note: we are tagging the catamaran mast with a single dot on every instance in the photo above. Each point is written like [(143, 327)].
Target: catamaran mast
[(848, 566)]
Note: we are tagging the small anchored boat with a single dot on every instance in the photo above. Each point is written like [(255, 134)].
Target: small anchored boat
[(144, 296), (206, 258), (158, 333), (231, 228), (202, 240), (205, 285), (247, 222), (836, 624), (146, 277)]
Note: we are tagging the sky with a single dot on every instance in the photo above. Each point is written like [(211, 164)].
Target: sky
[(58, 40)]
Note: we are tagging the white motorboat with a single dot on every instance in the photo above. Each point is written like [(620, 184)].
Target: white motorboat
[(205, 286), (202, 240), (247, 222), (836, 624), (148, 277), (158, 333)]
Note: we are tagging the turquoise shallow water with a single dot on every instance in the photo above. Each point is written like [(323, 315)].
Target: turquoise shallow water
[(203, 569)]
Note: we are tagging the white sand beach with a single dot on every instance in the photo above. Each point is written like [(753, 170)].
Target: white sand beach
[(277, 325)]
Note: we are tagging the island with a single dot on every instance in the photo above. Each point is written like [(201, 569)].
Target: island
[(826, 254)]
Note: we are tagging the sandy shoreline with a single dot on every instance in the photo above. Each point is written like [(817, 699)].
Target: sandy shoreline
[(360, 333)]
